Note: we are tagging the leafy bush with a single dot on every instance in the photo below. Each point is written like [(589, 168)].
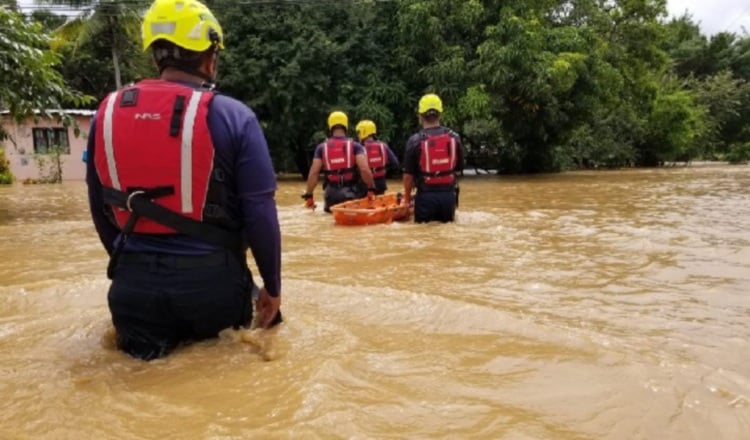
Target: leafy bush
[(739, 153), (6, 177)]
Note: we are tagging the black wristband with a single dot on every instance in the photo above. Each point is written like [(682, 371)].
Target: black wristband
[(307, 196), (370, 189)]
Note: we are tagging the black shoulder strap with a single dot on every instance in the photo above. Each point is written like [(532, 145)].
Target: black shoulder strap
[(176, 121)]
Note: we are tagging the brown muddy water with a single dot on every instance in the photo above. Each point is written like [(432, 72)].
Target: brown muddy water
[(591, 305)]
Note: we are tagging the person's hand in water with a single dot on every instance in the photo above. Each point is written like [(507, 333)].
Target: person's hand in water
[(267, 308)]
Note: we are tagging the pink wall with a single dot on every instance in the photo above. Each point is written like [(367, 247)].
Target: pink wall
[(21, 156)]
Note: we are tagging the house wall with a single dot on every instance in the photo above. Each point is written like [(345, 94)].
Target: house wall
[(21, 156)]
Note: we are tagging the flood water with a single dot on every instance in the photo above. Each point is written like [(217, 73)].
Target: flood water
[(589, 305)]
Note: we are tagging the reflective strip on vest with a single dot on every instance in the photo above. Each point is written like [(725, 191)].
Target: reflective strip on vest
[(108, 147), (453, 153), (383, 154), (186, 153), (427, 161), (426, 152), (349, 155)]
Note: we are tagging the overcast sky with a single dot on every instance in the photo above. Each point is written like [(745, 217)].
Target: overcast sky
[(713, 15)]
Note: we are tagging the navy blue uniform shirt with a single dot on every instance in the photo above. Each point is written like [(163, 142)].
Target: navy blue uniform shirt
[(241, 148)]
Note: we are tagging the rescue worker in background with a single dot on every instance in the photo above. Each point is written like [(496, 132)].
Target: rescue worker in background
[(432, 160), (343, 162), (379, 154), (180, 184)]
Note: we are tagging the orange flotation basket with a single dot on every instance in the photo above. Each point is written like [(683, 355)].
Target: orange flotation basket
[(385, 208)]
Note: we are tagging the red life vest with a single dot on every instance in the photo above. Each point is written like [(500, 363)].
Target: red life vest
[(339, 162), (155, 135), (437, 160), (377, 158)]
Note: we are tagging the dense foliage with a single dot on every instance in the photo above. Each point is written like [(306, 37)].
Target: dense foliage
[(27, 66), (110, 29), (533, 86)]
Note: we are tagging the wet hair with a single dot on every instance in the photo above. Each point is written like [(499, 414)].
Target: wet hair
[(431, 116), (168, 54)]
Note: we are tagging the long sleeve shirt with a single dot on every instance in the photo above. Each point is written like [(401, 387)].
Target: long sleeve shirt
[(240, 147)]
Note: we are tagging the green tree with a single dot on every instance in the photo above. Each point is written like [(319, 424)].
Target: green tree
[(717, 71), (48, 19), (740, 63), (693, 54), (533, 86), (88, 66), (436, 52), (281, 63), (675, 125), (555, 87), (739, 153), (31, 85), (687, 48), (112, 22), (726, 99), (293, 64)]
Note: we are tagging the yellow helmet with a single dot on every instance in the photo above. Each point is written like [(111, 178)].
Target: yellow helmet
[(338, 118), (365, 128), (430, 102), (187, 23)]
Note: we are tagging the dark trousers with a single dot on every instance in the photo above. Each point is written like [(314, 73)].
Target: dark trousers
[(435, 206), (381, 186), (335, 194), (159, 301)]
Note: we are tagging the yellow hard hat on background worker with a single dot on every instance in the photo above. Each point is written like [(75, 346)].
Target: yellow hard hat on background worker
[(365, 128), (430, 102), (186, 23), (338, 118)]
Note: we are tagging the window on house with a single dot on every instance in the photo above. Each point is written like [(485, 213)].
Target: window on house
[(45, 139)]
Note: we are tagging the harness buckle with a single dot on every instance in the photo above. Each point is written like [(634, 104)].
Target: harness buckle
[(212, 210), (130, 198)]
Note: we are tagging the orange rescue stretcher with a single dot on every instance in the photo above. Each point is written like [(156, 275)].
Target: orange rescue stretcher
[(386, 208)]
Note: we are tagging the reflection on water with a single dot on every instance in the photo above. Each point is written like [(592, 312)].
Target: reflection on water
[(606, 305)]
